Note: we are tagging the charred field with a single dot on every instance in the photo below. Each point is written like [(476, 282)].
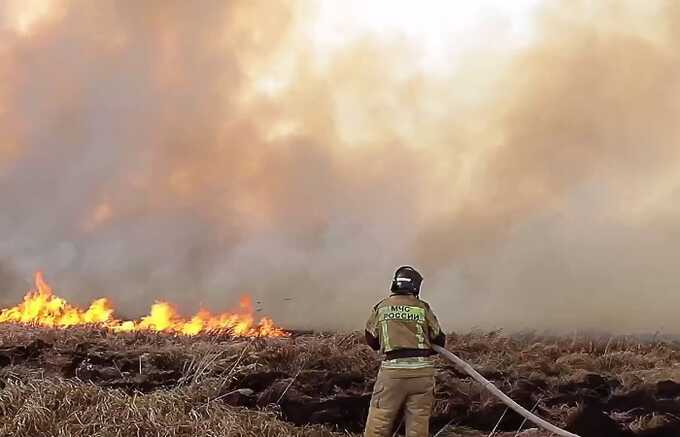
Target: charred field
[(91, 382)]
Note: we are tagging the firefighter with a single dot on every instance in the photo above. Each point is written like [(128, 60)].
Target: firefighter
[(402, 328)]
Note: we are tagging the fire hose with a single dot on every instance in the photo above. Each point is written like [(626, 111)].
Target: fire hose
[(500, 395)]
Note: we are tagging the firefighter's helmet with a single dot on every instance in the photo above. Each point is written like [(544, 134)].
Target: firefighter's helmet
[(406, 280)]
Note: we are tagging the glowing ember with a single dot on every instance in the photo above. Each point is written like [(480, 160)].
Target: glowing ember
[(41, 307)]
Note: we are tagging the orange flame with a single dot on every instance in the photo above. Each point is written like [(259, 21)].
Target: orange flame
[(42, 308)]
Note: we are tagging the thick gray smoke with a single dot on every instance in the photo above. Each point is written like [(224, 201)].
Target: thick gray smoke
[(141, 158)]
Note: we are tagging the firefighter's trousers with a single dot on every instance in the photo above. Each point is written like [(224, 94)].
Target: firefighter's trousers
[(397, 391)]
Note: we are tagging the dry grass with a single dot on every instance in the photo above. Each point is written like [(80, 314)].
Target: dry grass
[(57, 407), (88, 382)]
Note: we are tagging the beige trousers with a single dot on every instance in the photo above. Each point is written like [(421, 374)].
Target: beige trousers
[(396, 391)]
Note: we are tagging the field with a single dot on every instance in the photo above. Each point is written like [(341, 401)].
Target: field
[(90, 382)]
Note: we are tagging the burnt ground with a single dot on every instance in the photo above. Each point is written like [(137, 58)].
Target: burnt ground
[(320, 384)]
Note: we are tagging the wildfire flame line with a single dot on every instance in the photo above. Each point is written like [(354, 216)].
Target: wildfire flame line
[(42, 308)]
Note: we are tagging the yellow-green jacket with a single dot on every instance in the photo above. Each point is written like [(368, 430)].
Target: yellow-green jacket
[(403, 328)]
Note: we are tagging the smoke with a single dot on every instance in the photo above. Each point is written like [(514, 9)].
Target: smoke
[(199, 151)]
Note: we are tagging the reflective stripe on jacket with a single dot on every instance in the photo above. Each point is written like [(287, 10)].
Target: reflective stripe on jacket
[(403, 322)]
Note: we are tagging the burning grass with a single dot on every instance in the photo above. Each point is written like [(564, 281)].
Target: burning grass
[(43, 308), (91, 381)]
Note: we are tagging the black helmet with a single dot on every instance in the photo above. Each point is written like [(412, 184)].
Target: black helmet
[(406, 280)]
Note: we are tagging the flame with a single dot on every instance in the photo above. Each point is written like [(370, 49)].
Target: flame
[(42, 308)]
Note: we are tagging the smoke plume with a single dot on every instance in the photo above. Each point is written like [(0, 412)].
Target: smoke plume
[(196, 151)]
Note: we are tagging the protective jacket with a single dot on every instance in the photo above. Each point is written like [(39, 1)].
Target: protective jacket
[(403, 327)]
